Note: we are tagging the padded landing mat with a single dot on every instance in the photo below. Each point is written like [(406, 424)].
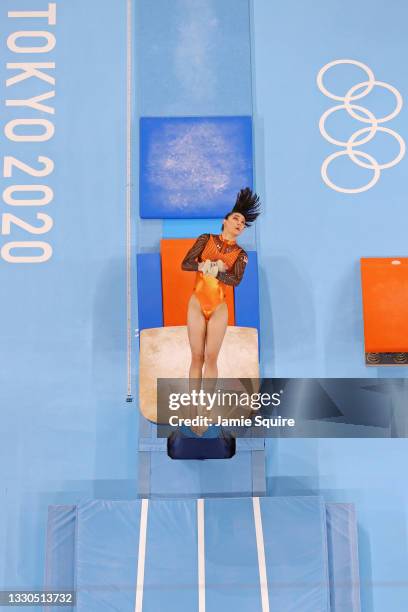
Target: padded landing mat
[(227, 536), (60, 552), (343, 558), (173, 545)]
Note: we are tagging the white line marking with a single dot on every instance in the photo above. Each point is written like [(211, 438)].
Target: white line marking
[(263, 580), (129, 195), (141, 556), (201, 555)]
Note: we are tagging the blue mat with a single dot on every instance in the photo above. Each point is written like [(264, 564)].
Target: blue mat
[(171, 557), (232, 573), (60, 552), (343, 558), (246, 296), (296, 556), (294, 536), (106, 551), (182, 158), (149, 291)]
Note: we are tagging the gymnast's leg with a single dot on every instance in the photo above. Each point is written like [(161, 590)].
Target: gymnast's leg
[(216, 328), (196, 328)]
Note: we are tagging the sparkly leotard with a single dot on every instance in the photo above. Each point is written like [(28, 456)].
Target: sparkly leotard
[(209, 289)]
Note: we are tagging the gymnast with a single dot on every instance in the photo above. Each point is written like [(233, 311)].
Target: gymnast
[(218, 261)]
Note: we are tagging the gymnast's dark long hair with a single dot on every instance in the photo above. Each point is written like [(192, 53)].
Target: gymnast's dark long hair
[(247, 204)]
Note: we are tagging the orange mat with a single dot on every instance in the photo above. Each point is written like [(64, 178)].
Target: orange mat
[(178, 285), (385, 304)]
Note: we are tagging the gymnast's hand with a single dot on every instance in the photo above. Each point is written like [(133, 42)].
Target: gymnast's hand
[(204, 266), (221, 266), (213, 271)]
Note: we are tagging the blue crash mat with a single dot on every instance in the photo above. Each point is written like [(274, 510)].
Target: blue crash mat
[(294, 541), (295, 554), (59, 552), (107, 556), (343, 558), (107, 538), (296, 557)]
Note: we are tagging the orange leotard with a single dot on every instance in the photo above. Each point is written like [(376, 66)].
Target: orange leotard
[(209, 289)]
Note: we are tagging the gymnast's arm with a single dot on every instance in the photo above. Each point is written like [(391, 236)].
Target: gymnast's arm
[(234, 276), (190, 262)]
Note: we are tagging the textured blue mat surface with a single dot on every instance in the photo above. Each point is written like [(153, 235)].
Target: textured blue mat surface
[(193, 167), (305, 564)]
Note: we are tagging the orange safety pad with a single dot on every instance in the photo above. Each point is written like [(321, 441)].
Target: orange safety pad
[(178, 285), (385, 304)]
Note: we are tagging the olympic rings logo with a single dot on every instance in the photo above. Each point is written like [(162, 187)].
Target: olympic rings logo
[(364, 115)]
